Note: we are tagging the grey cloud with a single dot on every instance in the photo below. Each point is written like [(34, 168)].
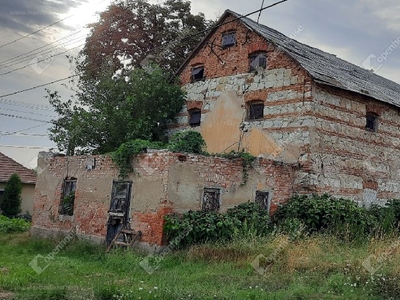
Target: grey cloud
[(27, 16)]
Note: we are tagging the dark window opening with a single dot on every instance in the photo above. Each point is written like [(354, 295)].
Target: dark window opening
[(211, 199), (197, 73), (256, 111), (68, 198), (258, 60), (372, 122), (194, 117), (262, 199), (229, 39)]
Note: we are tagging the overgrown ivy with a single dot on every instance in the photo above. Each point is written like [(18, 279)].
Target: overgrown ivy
[(122, 157), (186, 141)]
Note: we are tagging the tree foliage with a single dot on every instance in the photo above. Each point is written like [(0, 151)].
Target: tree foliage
[(114, 109), (134, 29), (11, 199)]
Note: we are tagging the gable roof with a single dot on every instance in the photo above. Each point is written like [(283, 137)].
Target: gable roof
[(8, 166), (324, 68)]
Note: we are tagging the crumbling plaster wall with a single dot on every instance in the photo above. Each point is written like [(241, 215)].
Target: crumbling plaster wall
[(284, 87), (349, 160), (163, 182)]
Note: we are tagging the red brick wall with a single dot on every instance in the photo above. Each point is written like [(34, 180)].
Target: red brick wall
[(181, 179), (236, 58)]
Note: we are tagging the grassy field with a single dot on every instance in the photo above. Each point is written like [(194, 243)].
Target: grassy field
[(310, 268)]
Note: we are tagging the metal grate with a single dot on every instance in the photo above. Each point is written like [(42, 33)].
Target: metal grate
[(262, 198), (211, 199)]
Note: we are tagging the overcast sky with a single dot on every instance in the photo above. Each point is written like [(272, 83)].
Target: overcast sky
[(364, 32)]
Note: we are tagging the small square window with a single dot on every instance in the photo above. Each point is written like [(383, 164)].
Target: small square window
[(211, 199), (197, 73), (68, 198), (262, 198), (229, 39), (371, 122), (258, 60), (194, 117), (256, 111)]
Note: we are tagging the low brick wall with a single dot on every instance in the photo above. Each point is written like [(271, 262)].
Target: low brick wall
[(162, 183)]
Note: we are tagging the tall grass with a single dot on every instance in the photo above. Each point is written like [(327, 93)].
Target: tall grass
[(310, 267)]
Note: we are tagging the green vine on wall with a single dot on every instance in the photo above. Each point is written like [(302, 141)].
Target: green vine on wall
[(186, 141), (247, 160), (122, 157)]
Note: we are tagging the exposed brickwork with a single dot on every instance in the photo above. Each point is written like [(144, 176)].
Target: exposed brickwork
[(350, 160), (327, 125), (163, 182)]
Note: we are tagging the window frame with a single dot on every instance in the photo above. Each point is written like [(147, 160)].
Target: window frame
[(266, 197), (253, 56), (250, 112), (193, 76), (69, 186), (217, 191), (371, 121), (224, 37), (191, 113)]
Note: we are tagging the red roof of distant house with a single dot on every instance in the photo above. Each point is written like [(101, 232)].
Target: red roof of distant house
[(8, 166)]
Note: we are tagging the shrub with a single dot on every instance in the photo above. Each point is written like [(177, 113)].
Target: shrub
[(11, 200), (326, 214), (122, 157), (195, 227), (187, 141), (8, 225), (387, 216)]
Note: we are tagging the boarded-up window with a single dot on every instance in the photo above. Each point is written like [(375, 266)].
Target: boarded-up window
[(68, 197), (255, 110), (194, 117), (262, 198), (211, 199)]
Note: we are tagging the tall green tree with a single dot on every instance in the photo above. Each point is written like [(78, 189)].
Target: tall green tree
[(11, 199), (128, 31), (116, 100), (111, 110)]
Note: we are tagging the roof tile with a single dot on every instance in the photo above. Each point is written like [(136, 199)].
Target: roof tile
[(8, 166)]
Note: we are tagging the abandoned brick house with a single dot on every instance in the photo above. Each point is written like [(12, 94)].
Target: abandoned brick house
[(317, 124)]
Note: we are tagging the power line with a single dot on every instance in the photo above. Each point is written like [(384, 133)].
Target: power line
[(41, 29), (26, 147), (37, 86), (26, 105), (203, 31), (38, 61), (19, 131), (99, 36), (24, 118), (259, 15), (27, 112), (27, 54), (32, 33)]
